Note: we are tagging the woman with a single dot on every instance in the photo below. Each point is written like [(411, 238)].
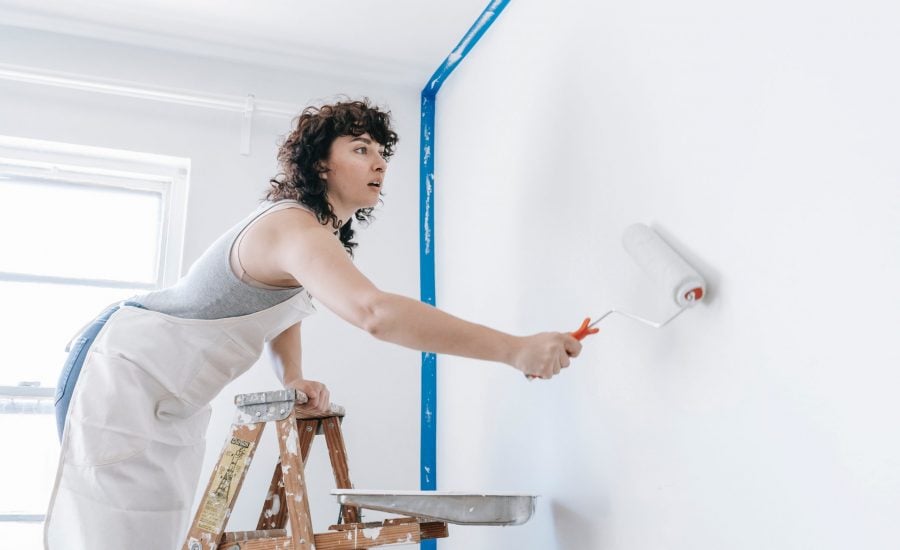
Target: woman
[(133, 426)]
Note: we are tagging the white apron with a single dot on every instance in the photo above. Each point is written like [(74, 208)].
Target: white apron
[(135, 433)]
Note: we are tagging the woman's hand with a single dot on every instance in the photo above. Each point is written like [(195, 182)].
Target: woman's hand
[(544, 355), (318, 394)]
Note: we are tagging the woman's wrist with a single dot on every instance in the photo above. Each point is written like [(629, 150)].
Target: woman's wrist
[(510, 352)]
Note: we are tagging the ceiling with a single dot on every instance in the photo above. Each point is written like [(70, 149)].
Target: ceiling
[(400, 41)]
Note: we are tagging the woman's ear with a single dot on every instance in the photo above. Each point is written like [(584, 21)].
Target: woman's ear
[(322, 169)]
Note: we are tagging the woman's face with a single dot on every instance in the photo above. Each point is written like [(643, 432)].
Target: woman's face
[(355, 173)]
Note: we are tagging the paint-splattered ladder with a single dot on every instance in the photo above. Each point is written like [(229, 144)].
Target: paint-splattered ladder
[(287, 502)]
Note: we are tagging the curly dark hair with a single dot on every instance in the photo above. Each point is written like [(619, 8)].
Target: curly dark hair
[(302, 153)]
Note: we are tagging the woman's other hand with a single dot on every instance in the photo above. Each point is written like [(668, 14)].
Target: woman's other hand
[(544, 355), (318, 395)]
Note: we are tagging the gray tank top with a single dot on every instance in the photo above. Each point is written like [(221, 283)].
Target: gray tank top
[(211, 289)]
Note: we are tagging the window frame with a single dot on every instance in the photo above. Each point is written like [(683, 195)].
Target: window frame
[(69, 164), (112, 168)]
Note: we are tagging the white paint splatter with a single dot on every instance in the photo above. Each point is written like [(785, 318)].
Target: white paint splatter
[(467, 39), (372, 533), (292, 443), (429, 189)]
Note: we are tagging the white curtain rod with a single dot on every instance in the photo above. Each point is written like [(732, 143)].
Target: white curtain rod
[(247, 106), (129, 89)]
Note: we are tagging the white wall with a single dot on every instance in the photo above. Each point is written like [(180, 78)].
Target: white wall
[(376, 382), (759, 140)]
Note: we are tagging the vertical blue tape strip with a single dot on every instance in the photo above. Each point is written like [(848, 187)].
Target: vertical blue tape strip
[(428, 443)]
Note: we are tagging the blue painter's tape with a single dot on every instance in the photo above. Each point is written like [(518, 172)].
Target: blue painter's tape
[(428, 443), (484, 22)]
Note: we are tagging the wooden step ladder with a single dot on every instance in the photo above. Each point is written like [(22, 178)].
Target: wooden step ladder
[(287, 502)]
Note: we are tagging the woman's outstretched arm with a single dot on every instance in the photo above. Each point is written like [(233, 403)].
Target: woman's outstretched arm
[(308, 252)]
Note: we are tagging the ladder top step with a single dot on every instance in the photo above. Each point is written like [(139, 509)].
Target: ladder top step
[(277, 405)]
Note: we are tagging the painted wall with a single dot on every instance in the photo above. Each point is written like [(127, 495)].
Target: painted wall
[(377, 383), (761, 142)]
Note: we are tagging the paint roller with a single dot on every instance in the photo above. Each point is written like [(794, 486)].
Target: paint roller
[(662, 264)]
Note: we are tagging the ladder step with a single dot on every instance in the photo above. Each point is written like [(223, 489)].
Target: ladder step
[(279, 543), (370, 524), (239, 536), (381, 534)]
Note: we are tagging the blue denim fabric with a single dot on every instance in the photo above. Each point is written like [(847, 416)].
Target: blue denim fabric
[(72, 367)]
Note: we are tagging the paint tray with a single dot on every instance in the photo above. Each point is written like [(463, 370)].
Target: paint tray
[(451, 507)]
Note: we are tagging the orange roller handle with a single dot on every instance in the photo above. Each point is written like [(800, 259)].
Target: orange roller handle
[(584, 330)]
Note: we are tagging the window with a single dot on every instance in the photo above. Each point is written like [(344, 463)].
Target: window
[(80, 228)]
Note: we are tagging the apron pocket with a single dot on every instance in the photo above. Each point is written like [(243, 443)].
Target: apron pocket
[(112, 416), (96, 445)]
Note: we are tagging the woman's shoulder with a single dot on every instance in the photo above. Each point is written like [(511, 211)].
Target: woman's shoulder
[(276, 235), (287, 217)]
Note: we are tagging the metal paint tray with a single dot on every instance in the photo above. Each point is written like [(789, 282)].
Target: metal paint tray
[(451, 507)]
